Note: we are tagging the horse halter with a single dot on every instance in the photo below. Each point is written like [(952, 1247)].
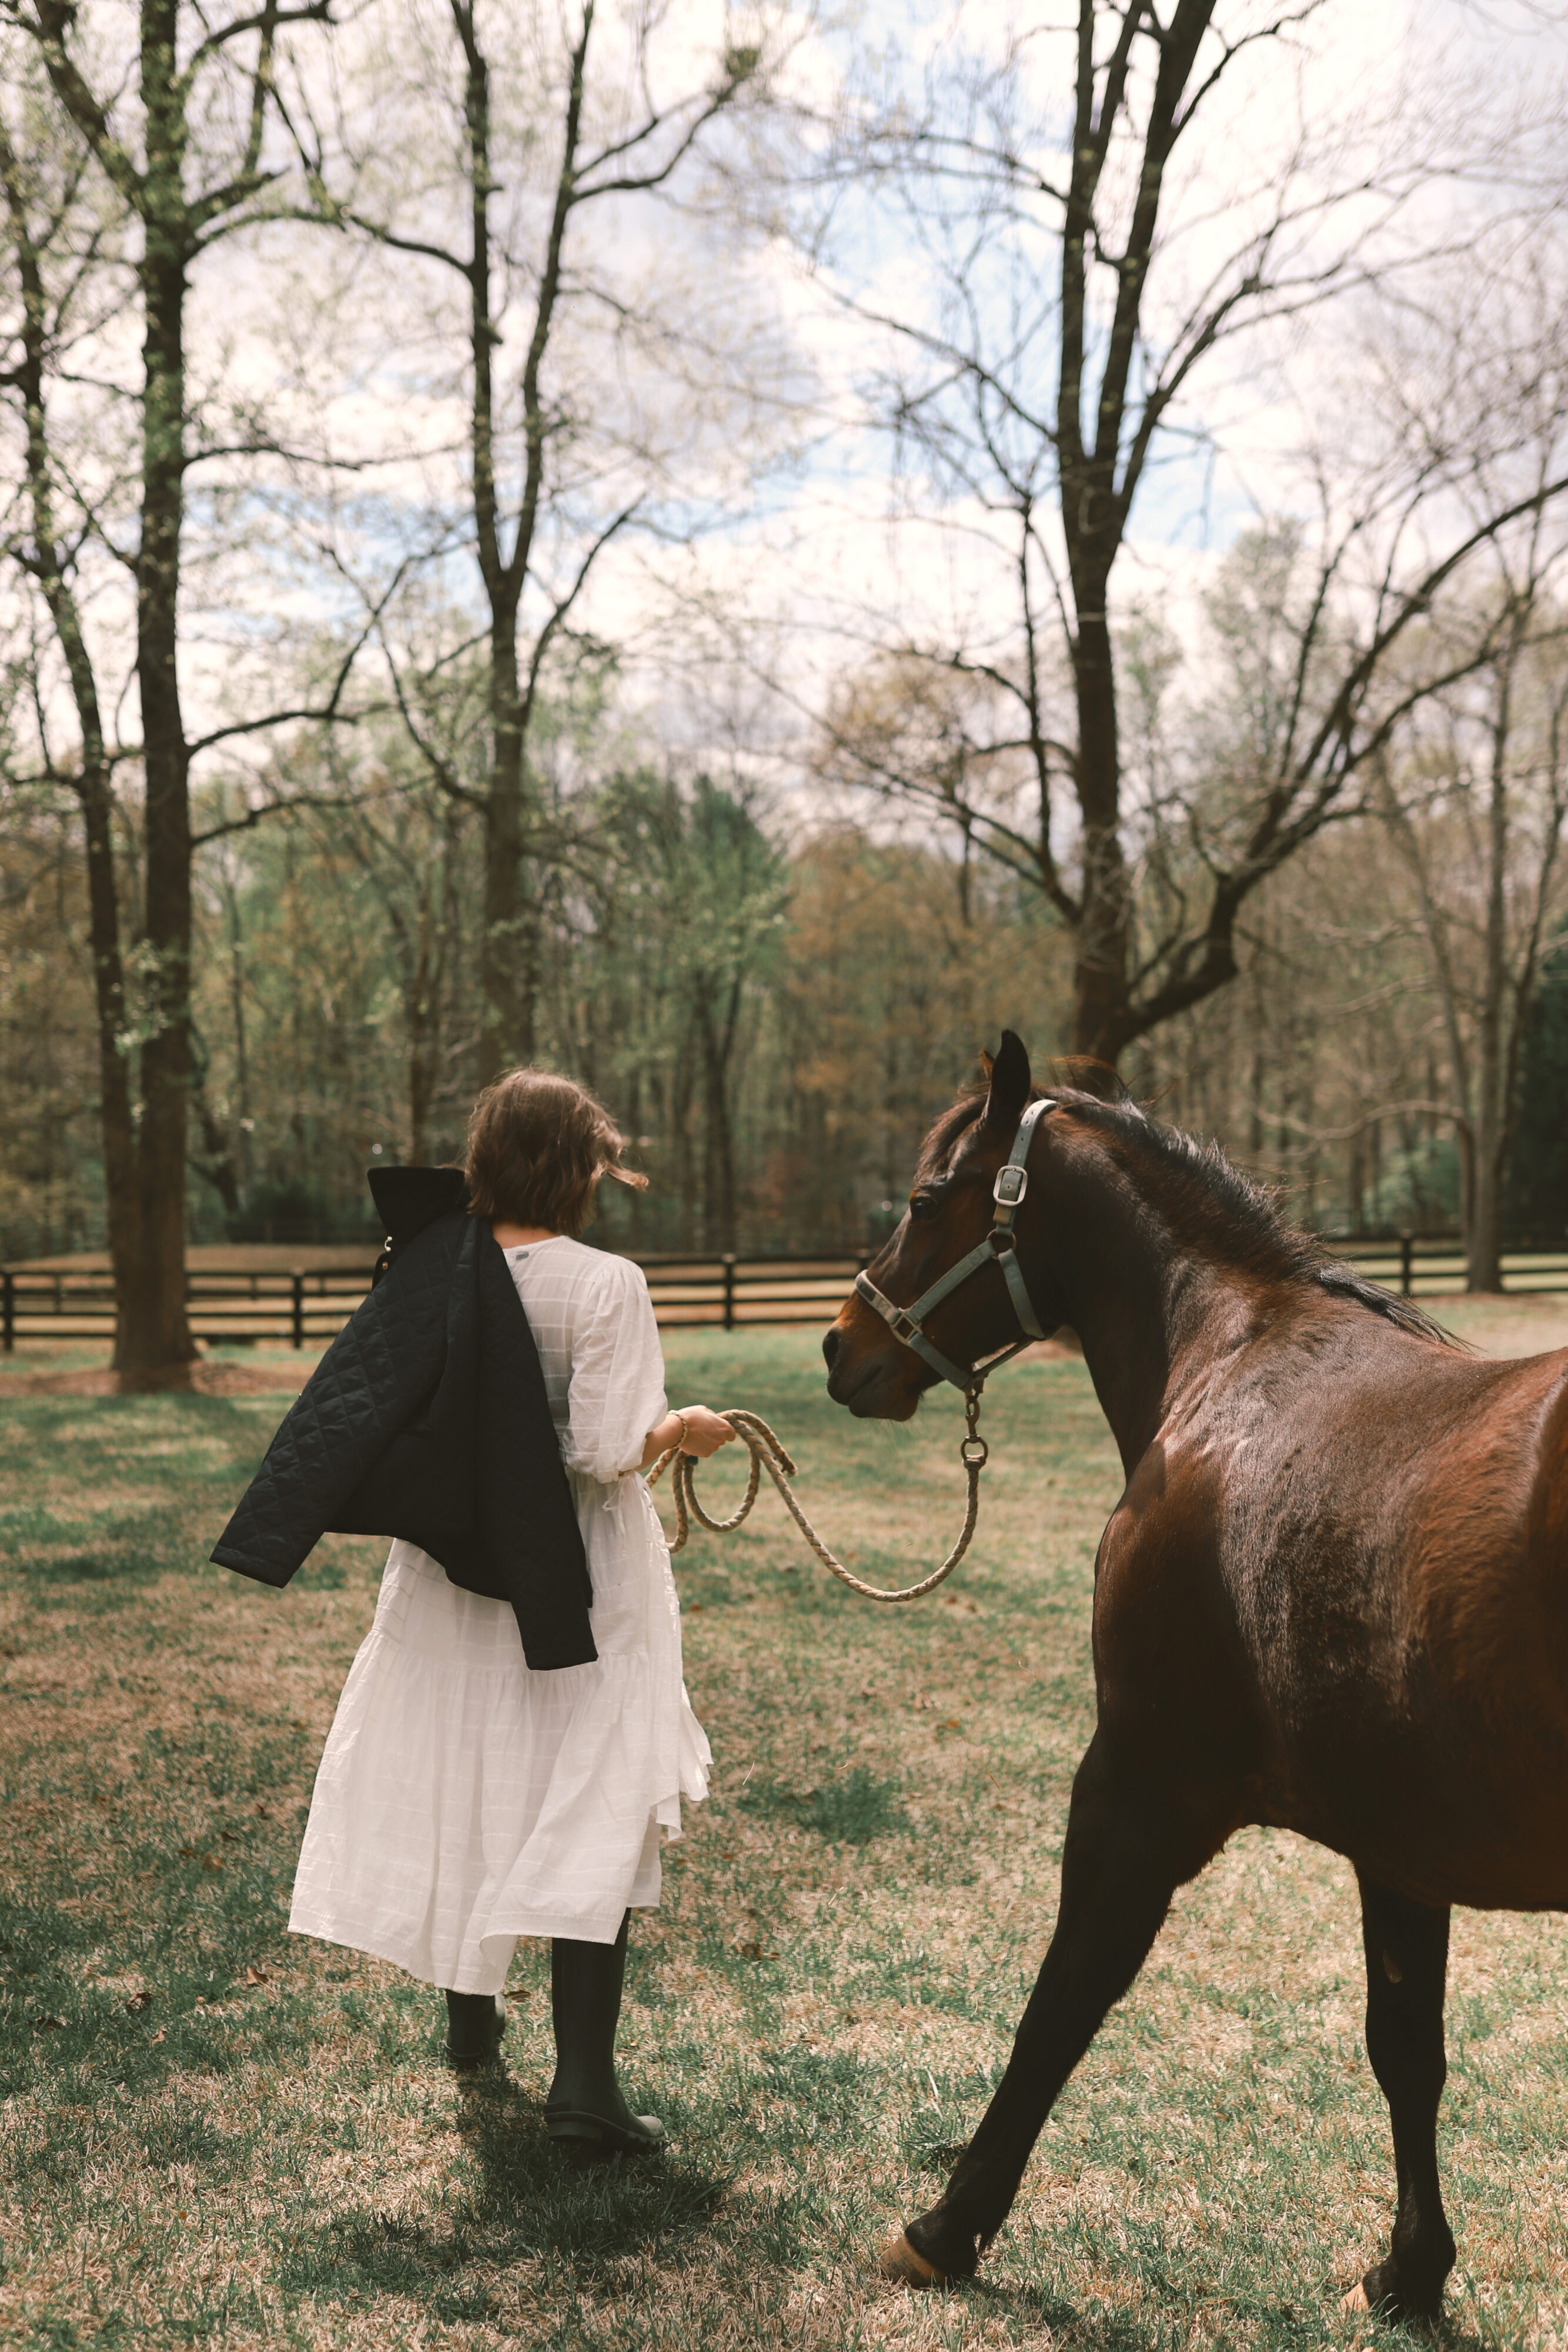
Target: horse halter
[(999, 1247)]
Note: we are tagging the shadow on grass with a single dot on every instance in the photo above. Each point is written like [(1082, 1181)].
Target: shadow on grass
[(542, 2199), (523, 2200), (1180, 2316), (122, 1549), (849, 1810), (1177, 2304)]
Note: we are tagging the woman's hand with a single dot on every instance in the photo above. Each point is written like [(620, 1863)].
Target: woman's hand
[(694, 1429), (706, 1430)]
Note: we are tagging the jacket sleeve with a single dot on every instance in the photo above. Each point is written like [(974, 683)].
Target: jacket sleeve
[(368, 1386)]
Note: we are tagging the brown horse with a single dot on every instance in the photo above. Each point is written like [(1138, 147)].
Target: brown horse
[(1333, 1596)]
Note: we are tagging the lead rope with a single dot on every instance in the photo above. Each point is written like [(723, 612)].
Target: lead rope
[(768, 1453)]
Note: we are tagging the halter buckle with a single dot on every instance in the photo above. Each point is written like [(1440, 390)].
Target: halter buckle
[(1011, 1185)]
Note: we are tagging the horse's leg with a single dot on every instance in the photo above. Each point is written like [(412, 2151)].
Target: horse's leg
[(1406, 1960), (1119, 1867)]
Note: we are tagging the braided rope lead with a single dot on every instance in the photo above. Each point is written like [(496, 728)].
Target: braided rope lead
[(768, 1453)]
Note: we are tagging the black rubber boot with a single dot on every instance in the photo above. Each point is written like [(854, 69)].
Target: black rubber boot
[(585, 2103), (475, 2024)]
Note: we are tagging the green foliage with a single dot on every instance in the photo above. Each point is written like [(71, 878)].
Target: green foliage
[(51, 1169), (774, 1030), (1419, 1189), (296, 1210), (667, 987)]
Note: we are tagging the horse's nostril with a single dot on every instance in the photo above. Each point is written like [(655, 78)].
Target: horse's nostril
[(830, 1347)]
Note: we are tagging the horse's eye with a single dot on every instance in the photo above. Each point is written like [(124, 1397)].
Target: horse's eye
[(921, 1204)]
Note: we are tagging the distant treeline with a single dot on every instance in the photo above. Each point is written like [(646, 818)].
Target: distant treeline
[(774, 1024)]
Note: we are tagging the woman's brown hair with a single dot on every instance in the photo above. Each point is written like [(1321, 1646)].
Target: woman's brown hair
[(537, 1145)]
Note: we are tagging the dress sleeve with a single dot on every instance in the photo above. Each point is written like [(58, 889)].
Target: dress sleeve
[(617, 1388)]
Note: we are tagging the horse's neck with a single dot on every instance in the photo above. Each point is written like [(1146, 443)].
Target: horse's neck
[(1139, 1303)]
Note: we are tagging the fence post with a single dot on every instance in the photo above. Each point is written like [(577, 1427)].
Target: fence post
[(300, 1310), (729, 1294), (1407, 1264), (8, 1312)]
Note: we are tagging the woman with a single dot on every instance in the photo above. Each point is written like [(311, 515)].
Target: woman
[(464, 1801)]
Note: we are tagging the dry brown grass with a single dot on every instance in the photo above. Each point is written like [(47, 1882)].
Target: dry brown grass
[(231, 2136)]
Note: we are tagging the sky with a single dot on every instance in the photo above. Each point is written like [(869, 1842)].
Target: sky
[(778, 538), (846, 548)]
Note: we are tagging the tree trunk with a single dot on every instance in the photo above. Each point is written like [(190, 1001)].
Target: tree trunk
[(423, 1036), (1483, 1237), (115, 1118), (635, 1122), (245, 1147), (718, 1143), (93, 787), (1483, 1242), (1100, 1011), (146, 1141), (216, 1161), (680, 1132), (509, 956), (152, 1339)]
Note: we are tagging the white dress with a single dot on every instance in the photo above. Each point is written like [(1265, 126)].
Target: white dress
[(462, 1801)]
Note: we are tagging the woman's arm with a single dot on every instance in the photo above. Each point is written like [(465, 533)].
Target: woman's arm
[(695, 1431)]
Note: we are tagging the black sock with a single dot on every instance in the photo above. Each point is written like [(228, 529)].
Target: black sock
[(471, 2021)]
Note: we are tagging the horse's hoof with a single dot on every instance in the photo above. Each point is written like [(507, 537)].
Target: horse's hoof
[(1383, 2292), (900, 2264)]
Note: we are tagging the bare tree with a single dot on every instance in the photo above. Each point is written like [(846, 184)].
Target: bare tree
[(39, 204), (178, 168), (546, 488), (410, 841), (1076, 297), (1475, 796), (1475, 807)]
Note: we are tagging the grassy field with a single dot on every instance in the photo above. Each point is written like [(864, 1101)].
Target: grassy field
[(215, 2133)]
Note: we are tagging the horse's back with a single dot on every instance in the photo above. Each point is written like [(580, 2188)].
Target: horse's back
[(1384, 1523)]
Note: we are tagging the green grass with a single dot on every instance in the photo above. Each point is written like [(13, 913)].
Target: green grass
[(216, 2133)]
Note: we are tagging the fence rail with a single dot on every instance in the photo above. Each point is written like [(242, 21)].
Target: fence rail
[(1434, 1267), (728, 1294), (295, 1309)]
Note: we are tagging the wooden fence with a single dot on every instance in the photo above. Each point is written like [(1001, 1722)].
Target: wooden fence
[(297, 1307), (1434, 1267)]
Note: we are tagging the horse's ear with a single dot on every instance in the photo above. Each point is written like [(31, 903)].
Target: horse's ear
[(1009, 1076)]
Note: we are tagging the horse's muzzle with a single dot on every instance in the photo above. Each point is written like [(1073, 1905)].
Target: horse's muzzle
[(868, 1375)]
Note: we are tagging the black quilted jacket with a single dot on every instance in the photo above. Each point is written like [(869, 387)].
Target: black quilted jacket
[(427, 1418)]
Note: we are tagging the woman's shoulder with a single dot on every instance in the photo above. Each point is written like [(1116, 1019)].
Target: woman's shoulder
[(605, 1271)]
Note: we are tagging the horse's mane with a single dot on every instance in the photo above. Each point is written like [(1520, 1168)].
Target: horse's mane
[(1201, 1190)]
